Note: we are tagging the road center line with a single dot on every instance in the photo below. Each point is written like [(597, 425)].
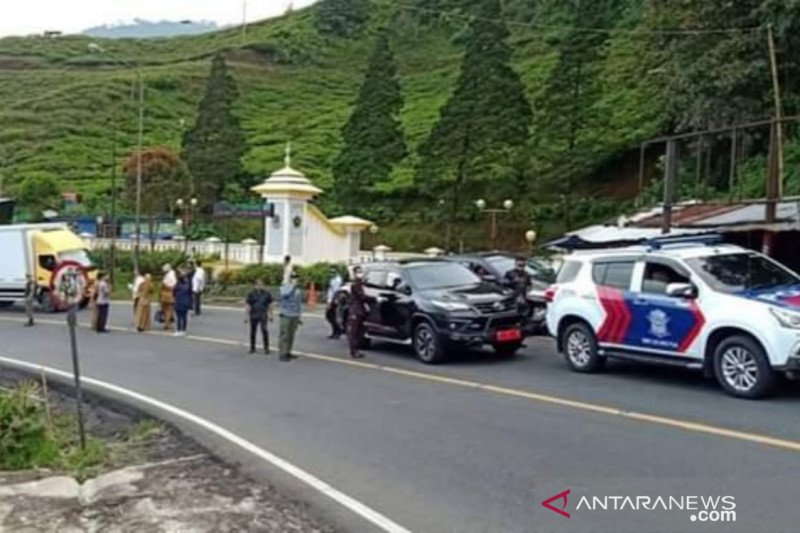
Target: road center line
[(685, 425), (355, 506)]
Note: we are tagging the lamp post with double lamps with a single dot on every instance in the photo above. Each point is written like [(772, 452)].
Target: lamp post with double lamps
[(186, 209), (96, 48), (508, 205)]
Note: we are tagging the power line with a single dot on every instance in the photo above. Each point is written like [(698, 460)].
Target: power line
[(530, 25)]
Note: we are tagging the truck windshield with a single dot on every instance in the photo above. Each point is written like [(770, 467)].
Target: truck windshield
[(441, 276), (79, 256), (739, 272)]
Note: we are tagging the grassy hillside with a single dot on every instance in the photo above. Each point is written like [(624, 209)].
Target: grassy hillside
[(62, 107)]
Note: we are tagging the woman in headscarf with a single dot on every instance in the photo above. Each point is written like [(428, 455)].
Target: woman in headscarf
[(144, 294)]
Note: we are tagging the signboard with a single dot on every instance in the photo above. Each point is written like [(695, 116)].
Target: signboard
[(68, 283), (223, 209)]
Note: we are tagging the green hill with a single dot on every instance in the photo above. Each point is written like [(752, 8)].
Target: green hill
[(61, 106)]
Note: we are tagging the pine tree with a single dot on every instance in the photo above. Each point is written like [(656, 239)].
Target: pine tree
[(567, 103), (475, 143), (342, 18), (373, 136), (213, 148)]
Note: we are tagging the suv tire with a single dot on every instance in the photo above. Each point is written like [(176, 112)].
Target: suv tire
[(427, 344), (742, 368), (580, 348)]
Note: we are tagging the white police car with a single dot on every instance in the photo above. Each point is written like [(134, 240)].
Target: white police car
[(731, 312)]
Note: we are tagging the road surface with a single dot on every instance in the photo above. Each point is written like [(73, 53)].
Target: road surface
[(473, 445)]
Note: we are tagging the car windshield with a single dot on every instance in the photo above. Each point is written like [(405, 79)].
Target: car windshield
[(537, 270), (79, 256), (441, 275), (741, 272)]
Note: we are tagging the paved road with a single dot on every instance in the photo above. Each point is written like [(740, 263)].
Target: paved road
[(474, 445)]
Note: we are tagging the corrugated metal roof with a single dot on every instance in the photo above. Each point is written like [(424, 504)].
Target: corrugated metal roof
[(724, 214)]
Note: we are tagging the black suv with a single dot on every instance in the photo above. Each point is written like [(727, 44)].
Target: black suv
[(493, 267), (438, 305)]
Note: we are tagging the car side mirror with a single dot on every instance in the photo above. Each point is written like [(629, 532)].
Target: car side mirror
[(681, 290)]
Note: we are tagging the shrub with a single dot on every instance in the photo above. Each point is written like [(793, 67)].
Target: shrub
[(149, 262), (25, 440)]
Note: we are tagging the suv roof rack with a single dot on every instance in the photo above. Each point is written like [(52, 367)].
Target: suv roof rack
[(682, 241)]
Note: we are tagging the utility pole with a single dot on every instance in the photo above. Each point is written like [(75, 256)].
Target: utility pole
[(773, 61), (670, 173), (139, 173)]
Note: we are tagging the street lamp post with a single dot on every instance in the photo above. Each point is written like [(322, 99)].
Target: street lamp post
[(373, 230), (186, 209), (94, 47), (508, 205), (530, 238)]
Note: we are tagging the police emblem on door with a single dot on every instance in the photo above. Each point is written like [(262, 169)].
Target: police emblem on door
[(658, 323)]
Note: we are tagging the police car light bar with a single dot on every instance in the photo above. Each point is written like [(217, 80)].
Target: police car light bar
[(659, 243)]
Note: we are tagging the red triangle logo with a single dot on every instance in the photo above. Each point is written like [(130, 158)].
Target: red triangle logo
[(560, 496)]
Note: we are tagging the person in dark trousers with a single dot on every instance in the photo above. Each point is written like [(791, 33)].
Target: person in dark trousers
[(334, 286), (183, 303), (356, 314), (291, 311), (520, 282), (30, 296), (259, 311), (198, 286), (102, 301)]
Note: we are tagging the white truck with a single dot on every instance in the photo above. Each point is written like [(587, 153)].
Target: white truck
[(36, 249)]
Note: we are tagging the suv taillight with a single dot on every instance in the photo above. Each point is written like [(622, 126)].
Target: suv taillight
[(550, 293)]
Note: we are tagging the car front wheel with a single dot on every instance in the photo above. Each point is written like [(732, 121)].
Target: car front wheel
[(427, 344), (742, 368), (580, 349)]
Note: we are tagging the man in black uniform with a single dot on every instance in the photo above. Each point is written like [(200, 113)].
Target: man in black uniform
[(259, 311), (519, 281), (357, 313)]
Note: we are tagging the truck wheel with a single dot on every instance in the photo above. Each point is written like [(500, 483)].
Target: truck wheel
[(427, 344), (580, 348), (508, 349), (742, 368), (47, 302)]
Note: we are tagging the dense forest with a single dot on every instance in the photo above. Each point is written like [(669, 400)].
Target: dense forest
[(408, 111)]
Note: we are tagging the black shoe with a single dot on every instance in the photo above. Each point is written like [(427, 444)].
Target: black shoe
[(29, 324), (252, 350), (266, 351), (332, 336)]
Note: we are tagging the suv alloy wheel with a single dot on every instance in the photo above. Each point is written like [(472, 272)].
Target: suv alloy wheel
[(742, 368), (427, 344), (580, 348)]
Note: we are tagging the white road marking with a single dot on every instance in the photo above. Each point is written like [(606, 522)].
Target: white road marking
[(350, 503)]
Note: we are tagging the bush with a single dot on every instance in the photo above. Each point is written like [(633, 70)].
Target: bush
[(25, 440), (149, 262), (272, 274)]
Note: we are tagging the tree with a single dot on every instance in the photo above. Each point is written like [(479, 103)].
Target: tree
[(373, 136), (342, 18), (165, 178), (567, 104), (214, 146), (719, 78), (477, 139), (39, 192)]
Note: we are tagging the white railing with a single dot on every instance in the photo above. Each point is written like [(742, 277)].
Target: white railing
[(245, 253)]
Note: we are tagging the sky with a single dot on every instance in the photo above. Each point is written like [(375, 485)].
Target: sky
[(24, 17)]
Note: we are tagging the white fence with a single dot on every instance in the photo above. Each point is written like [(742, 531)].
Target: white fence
[(245, 253)]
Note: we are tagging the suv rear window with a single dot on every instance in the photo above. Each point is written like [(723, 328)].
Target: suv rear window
[(613, 274), (569, 272)]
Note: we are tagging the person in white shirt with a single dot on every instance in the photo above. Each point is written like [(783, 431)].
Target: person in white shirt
[(198, 286), (334, 286)]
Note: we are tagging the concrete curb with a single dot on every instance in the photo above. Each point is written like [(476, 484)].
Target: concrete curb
[(343, 512)]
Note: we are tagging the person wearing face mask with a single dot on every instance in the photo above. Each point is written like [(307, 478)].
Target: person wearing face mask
[(356, 313)]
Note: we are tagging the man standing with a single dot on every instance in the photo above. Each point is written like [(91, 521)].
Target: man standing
[(30, 296), (356, 314), (334, 286), (138, 279), (519, 281), (102, 302), (198, 286), (259, 310), (291, 311), (167, 296)]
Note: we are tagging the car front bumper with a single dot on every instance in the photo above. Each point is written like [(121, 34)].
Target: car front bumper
[(479, 330)]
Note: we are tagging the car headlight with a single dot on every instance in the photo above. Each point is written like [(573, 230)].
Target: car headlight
[(451, 306), (786, 318)]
